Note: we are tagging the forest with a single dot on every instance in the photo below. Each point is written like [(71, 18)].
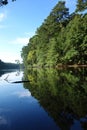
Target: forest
[(4, 65), (60, 40), (59, 91)]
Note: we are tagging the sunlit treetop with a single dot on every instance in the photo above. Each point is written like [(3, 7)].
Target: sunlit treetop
[(5, 2)]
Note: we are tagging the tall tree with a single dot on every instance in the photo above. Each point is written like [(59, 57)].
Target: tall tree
[(81, 5), (60, 12), (61, 39)]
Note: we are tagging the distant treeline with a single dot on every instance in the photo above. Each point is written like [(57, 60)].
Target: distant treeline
[(60, 40), (4, 65)]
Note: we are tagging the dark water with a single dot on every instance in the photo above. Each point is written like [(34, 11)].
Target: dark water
[(51, 100)]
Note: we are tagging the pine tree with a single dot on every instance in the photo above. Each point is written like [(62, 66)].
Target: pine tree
[(81, 5)]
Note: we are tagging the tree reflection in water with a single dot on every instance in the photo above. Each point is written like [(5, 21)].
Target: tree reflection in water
[(62, 93)]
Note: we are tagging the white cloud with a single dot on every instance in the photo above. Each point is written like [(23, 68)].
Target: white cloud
[(22, 94), (9, 56), (20, 40), (2, 16), (3, 121)]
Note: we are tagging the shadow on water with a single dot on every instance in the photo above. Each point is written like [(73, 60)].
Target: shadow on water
[(62, 93)]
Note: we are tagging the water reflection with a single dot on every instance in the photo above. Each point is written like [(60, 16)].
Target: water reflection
[(22, 94), (10, 75), (3, 121), (18, 109), (62, 93)]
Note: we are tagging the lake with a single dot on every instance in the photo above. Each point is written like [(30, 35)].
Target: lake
[(51, 100)]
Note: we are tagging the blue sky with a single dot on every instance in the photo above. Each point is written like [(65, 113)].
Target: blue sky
[(18, 22)]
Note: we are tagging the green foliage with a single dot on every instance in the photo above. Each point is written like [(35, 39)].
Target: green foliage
[(62, 93), (69, 55), (61, 39), (81, 5), (52, 54)]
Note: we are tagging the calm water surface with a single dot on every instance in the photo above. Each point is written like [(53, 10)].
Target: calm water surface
[(51, 100)]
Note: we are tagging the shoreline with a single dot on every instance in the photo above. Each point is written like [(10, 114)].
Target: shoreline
[(72, 66)]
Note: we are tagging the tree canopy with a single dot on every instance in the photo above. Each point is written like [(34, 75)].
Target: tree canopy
[(81, 5), (61, 39), (5, 2)]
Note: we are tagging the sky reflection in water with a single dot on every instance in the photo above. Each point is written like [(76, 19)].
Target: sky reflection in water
[(51, 100), (18, 109)]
